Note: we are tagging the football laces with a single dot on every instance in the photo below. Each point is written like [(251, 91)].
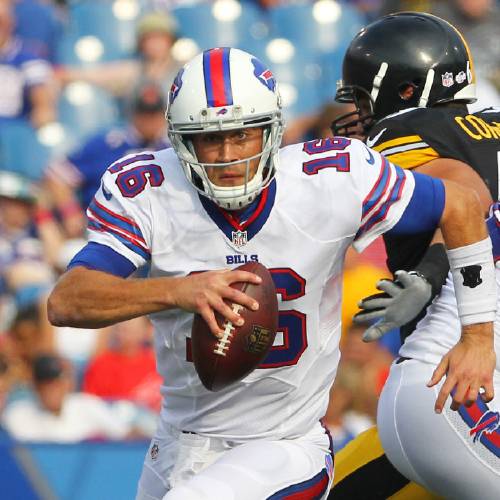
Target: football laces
[(223, 344)]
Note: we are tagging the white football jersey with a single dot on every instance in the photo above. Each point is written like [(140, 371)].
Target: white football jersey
[(327, 194), (440, 328)]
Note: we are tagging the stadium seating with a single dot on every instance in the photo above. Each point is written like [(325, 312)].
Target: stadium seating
[(224, 23), (99, 30), (20, 149), (84, 109), (322, 26), (299, 77)]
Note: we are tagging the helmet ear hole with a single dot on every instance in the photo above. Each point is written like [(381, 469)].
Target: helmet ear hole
[(407, 90)]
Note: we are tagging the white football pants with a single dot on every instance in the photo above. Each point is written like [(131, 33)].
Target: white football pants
[(456, 454), (181, 466)]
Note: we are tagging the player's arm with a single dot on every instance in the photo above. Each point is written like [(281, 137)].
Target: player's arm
[(93, 298), (43, 109), (470, 364), (458, 171), (429, 202), (403, 299)]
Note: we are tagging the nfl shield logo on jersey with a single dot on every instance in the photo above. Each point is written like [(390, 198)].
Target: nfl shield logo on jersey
[(239, 238)]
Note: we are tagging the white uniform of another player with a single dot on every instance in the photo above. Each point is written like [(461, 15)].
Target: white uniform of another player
[(455, 454), (261, 437)]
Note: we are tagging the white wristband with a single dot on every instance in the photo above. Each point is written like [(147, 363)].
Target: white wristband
[(473, 272)]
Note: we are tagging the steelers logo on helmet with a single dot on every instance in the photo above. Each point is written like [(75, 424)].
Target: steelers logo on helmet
[(225, 89), (402, 61)]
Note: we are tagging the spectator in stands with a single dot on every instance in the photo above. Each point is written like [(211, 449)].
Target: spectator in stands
[(38, 24), (27, 80), (127, 370), (155, 37), (57, 413), (73, 181), (28, 232)]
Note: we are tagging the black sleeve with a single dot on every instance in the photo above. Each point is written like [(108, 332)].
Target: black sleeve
[(434, 267)]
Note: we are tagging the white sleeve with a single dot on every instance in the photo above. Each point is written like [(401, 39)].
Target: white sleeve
[(36, 72), (120, 222), (385, 191)]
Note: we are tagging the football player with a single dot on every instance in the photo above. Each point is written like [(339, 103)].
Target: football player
[(220, 198), (411, 76)]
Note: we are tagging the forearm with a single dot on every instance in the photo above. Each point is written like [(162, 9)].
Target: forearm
[(462, 222), (470, 254), (84, 298)]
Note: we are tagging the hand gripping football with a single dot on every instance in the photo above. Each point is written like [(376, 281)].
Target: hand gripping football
[(221, 362)]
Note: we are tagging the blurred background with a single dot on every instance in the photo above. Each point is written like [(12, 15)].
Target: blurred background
[(84, 83)]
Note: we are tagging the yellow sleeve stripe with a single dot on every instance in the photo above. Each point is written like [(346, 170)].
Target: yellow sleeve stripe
[(357, 453), (413, 158), (400, 141)]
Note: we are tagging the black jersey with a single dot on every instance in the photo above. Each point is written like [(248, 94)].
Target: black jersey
[(417, 136)]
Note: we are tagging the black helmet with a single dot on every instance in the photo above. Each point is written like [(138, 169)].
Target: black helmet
[(401, 61)]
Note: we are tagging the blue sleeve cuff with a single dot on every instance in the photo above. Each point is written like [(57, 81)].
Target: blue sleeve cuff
[(425, 209), (102, 258)]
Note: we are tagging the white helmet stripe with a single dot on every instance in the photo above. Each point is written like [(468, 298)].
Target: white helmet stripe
[(429, 80), (377, 81)]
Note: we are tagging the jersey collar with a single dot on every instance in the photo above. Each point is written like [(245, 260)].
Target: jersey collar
[(242, 227)]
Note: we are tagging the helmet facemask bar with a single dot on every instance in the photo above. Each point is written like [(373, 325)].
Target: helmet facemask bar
[(231, 197), (356, 122)]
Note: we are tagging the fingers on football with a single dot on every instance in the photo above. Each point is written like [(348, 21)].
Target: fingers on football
[(238, 297), (208, 315), (230, 313), (244, 276)]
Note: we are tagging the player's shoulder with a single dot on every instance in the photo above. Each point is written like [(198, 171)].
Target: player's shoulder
[(327, 165), (163, 159), (135, 175), (489, 114), (405, 126), (311, 156), (410, 138)]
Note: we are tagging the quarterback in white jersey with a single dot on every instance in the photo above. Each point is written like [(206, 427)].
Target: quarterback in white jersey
[(213, 202), (456, 454)]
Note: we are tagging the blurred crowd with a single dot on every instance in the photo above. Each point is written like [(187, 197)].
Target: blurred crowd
[(67, 385)]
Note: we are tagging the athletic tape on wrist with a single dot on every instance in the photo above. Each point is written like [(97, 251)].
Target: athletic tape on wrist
[(473, 273)]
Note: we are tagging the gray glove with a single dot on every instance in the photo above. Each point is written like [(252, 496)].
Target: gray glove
[(403, 299)]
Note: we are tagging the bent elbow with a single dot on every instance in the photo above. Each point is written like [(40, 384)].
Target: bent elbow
[(57, 310)]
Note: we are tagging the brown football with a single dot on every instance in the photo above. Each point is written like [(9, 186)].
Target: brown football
[(221, 362)]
